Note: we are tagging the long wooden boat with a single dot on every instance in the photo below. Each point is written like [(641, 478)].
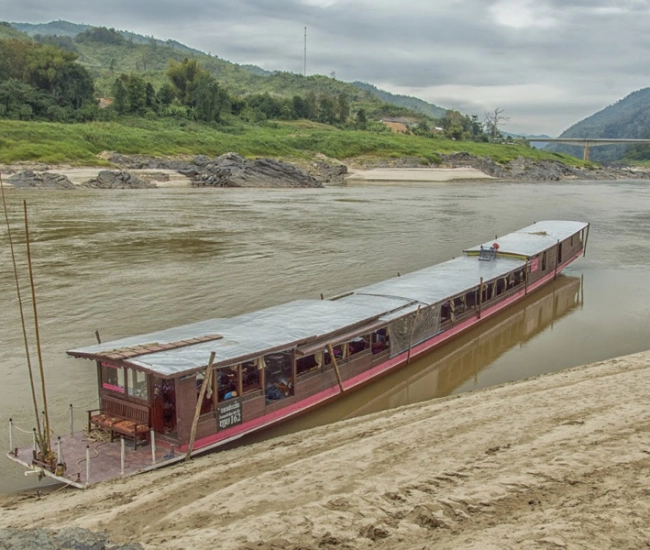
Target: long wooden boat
[(189, 389)]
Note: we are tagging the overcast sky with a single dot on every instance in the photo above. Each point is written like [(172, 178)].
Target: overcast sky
[(547, 63)]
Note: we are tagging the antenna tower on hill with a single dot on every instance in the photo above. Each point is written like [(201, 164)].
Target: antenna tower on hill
[(304, 64)]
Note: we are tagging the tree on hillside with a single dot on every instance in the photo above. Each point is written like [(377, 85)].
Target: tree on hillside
[(120, 103), (311, 106), (56, 72), (14, 56), (494, 119), (327, 109), (101, 35), (362, 119), (208, 98), (299, 107), (182, 76), (165, 94), (343, 108)]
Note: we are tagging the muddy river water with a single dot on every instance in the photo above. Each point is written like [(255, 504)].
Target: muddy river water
[(131, 262)]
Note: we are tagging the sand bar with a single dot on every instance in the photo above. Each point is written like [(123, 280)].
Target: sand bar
[(414, 175), (559, 461)]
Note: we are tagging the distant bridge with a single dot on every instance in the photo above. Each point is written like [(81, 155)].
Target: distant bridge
[(588, 142)]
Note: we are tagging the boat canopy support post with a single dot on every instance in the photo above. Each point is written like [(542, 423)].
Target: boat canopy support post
[(526, 278), (199, 402), (11, 435), (87, 464), (122, 455), (584, 248), (336, 366), (480, 296), (415, 320)]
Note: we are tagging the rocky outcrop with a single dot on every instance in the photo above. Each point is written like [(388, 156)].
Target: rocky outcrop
[(71, 538), (526, 169), (229, 170), (40, 180), (115, 179)]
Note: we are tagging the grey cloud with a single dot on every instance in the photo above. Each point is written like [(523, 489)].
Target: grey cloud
[(589, 56)]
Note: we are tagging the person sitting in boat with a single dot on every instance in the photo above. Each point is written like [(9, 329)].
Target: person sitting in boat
[(230, 395)]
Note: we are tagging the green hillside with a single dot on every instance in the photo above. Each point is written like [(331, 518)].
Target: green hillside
[(627, 118), (150, 57), (165, 99), (408, 102), (58, 28), (7, 32)]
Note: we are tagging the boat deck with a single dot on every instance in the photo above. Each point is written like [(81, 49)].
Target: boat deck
[(105, 459)]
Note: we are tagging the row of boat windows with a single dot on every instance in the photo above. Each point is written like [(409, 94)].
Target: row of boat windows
[(274, 370), (470, 300)]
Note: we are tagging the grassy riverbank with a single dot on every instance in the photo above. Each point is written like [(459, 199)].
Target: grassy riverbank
[(79, 144)]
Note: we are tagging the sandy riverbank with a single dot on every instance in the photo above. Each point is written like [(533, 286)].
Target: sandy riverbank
[(414, 175), (560, 461)]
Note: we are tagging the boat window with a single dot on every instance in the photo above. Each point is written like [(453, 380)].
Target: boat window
[(309, 363), (278, 377), (544, 261), (519, 277), (488, 291), (470, 299), (501, 286), (137, 384), (224, 386), (445, 312), (339, 353), (459, 305), (380, 341), (112, 377), (251, 377), (358, 345)]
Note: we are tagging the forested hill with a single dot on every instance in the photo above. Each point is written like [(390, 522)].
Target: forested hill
[(107, 55), (413, 103), (627, 118)]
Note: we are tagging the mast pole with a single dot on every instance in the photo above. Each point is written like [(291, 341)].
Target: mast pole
[(22, 312), (304, 66), (46, 426)]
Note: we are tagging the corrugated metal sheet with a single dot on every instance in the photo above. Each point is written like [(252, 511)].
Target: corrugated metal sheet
[(302, 321), (535, 238), (435, 283)]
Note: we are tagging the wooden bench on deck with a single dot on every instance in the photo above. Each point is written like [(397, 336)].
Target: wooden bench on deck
[(121, 417)]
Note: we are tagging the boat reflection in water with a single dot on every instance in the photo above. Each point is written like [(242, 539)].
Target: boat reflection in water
[(443, 371)]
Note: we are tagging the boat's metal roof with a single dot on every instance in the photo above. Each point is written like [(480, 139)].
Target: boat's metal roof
[(535, 238), (172, 352)]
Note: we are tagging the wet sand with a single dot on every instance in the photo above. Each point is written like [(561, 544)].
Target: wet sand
[(558, 461)]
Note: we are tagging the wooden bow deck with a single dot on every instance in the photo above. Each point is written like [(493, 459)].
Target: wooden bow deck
[(105, 462)]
